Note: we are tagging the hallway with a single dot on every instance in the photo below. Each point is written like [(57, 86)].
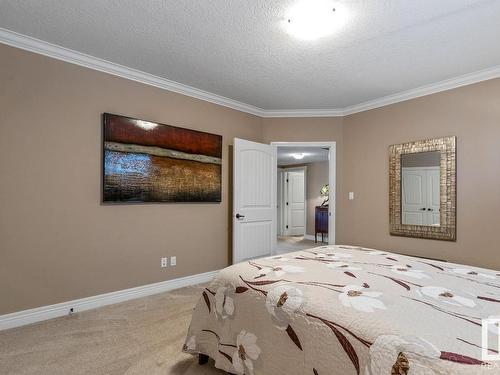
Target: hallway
[(287, 244)]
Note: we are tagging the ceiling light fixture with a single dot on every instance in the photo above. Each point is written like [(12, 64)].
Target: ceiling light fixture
[(298, 156), (313, 19)]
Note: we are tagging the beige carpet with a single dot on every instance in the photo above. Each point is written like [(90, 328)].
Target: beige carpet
[(295, 243), (143, 336)]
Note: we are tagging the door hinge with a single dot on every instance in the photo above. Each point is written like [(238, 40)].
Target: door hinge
[(287, 227), (287, 180), (287, 203)]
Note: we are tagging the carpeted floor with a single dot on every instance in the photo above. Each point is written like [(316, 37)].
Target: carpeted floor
[(142, 336), (294, 243)]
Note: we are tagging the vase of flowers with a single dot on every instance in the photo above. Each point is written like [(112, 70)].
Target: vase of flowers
[(325, 192)]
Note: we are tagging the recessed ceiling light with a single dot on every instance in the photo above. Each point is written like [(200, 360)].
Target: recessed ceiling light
[(313, 19), (298, 156)]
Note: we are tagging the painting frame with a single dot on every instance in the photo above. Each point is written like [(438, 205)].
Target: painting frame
[(111, 194), (447, 230)]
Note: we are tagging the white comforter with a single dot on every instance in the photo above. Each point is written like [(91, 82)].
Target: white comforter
[(346, 310)]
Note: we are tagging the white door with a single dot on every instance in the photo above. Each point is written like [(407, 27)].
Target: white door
[(420, 196), (254, 200), (414, 197), (279, 201), (296, 203), (433, 197)]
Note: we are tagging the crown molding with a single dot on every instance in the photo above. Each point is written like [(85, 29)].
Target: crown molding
[(41, 47), (302, 113), (433, 88)]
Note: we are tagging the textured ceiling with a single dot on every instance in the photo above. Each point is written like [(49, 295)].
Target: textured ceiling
[(239, 49), (311, 154)]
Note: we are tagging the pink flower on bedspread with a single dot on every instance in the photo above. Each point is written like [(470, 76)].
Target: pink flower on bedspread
[(401, 355), (324, 256), (279, 258), (246, 352), (356, 297), (403, 269), (190, 344), (494, 328), (224, 302), (343, 267), (282, 303), (377, 252), (471, 272), (332, 256), (446, 296), (329, 254), (280, 271)]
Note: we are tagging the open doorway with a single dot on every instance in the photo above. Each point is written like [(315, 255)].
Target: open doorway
[(292, 201), (255, 199), (304, 176)]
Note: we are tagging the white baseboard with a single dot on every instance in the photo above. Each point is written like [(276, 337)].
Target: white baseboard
[(311, 237), (39, 314)]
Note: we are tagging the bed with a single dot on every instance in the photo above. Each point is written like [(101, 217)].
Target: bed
[(347, 310)]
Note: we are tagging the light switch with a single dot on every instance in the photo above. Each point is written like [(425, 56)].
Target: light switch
[(351, 195)]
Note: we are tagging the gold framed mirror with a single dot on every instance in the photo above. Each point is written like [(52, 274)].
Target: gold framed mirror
[(422, 189)]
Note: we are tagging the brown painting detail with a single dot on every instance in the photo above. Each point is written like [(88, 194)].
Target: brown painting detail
[(122, 129), (149, 162)]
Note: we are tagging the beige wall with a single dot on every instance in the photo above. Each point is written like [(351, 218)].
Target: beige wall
[(57, 242), (317, 177), (471, 113), (325, 129)]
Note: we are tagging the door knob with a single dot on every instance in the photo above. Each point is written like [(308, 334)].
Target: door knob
[(430, 209), (422, 209), (238, 216)]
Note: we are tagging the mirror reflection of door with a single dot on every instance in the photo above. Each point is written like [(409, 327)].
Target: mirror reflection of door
[(420, 188)]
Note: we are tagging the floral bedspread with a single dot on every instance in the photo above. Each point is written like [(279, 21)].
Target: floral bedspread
[(347, 310)]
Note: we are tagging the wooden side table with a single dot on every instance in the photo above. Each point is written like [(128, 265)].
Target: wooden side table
[(321, 222)]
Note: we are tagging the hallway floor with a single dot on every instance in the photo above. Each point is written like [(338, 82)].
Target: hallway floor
[(294, 243)]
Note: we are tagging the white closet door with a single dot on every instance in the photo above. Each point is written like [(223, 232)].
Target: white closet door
[(433, 194), (254, 200), (279, 202), (296, 203), (414, 196)]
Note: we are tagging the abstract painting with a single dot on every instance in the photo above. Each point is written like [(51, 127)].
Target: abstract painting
[(149, 162)]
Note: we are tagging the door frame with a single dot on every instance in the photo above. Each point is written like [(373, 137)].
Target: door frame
[(332, 182), (284, 198), (279, 201)]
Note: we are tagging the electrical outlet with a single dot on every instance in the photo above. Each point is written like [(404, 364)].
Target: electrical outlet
[(173, 261), (164, 262), (351, 195)]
